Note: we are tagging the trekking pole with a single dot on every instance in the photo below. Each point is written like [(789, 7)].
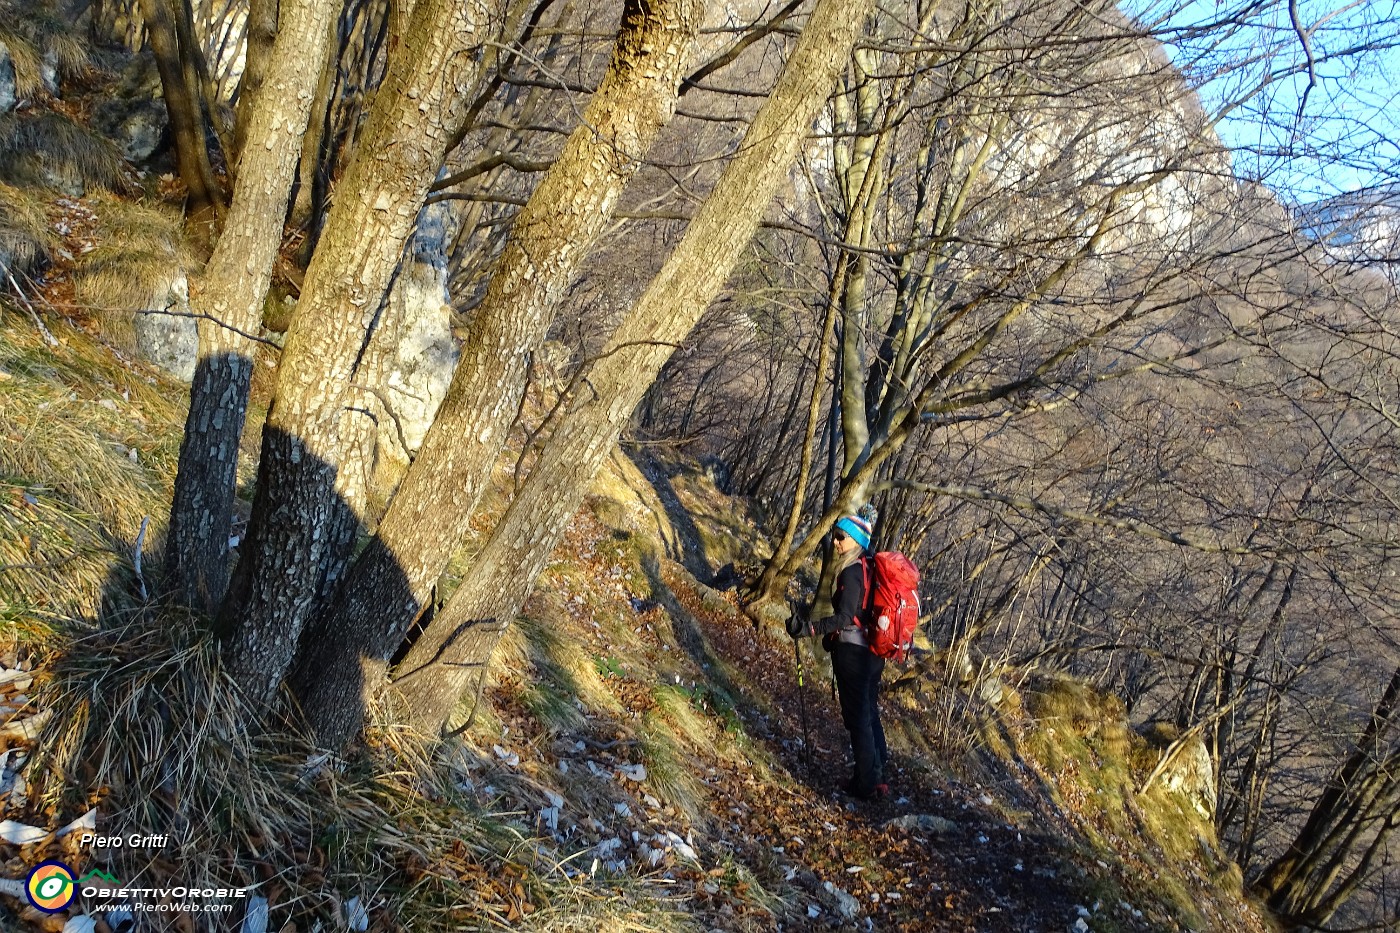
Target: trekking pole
[(802, 698)]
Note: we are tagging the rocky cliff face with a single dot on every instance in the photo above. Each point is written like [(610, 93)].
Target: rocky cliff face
[(1360, 229)]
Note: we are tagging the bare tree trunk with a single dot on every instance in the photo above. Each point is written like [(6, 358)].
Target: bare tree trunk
[(764, 589), (1283, 883), (506, 569), (348, 80), (549, 238), (304, 516), (186, 114), (847, 295), (231, 294)]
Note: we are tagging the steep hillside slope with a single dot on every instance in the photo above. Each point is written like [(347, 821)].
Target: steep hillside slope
[(635, 761)]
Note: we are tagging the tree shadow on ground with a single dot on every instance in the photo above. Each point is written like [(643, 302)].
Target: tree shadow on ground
[(686, 546)]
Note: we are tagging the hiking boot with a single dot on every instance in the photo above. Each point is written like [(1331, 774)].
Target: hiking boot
[(875, 793)]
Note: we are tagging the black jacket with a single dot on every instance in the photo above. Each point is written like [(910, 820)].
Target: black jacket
[(847, 603)]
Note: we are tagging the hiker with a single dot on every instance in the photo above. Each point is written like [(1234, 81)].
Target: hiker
[(856, 667)]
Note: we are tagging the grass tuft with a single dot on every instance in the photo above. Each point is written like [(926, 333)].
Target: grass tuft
[(48, 149), (26, 58), (149, 729), (38, 34), (87, 451), (25, 236), (670, 771), (141, 251)]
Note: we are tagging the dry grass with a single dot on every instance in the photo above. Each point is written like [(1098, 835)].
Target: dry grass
[(35, 31), (28, 62), (48, 149), (670, 770), (78, 421), (87, 451), (141, 249), (149, 729), (25, 236), (54, 562)]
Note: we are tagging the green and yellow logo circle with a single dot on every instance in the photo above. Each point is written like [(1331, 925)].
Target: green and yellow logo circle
[(50, 887)]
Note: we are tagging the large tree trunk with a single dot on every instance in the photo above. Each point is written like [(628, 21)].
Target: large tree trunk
[(438, 669), (231, 294), (305, 516), (549, 238)]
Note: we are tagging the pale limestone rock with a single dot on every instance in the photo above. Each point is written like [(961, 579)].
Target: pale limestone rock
[(169, 340)]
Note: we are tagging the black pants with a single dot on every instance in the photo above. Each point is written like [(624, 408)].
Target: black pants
[(858, 685)]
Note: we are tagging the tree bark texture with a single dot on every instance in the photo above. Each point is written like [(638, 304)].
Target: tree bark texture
[(438, 669), (304, 515), (258, 57), (386, 588), (230, 295)]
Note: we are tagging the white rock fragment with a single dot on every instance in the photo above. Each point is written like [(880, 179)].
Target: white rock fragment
[(19, 834), (356, 917), (508, 757), (26, 729), (637, 773), (255, 919), (86, 822), (848, 907)]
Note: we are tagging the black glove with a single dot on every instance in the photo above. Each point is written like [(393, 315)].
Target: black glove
[(797, 625)]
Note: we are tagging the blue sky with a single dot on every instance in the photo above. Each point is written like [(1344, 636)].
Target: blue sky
[(1251, 65)]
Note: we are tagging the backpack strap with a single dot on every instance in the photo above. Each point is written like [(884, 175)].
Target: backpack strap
[(867, 569)]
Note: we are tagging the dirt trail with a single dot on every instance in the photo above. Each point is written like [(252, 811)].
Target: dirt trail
[(932, 856)]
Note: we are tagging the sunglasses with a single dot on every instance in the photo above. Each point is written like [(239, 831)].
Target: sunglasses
[(839, 536)]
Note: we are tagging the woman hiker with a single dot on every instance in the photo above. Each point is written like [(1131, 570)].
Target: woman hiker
[(857, 669)]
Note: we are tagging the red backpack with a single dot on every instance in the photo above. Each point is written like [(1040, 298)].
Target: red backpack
[(894, 598)]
